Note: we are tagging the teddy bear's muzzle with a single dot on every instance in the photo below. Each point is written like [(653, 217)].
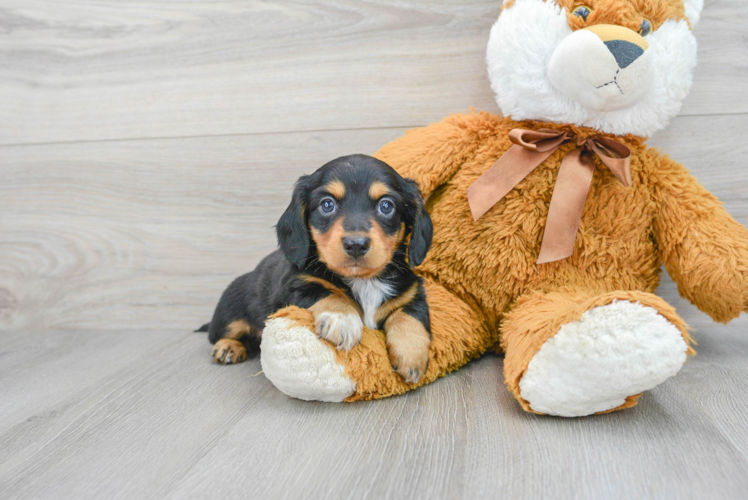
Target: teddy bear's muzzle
[(603, 67)]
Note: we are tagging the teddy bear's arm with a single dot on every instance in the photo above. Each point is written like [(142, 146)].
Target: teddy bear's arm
[(704, 249), (431, 155)]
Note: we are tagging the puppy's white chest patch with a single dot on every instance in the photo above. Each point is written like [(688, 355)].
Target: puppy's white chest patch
[(370, 293)]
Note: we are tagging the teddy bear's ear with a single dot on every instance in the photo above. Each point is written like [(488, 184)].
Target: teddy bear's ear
[(693, 10)]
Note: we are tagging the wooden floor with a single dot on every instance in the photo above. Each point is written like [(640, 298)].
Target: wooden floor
[(147, 149), (135, 414)]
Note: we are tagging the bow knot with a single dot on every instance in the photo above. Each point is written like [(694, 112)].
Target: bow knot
[(529, 149)]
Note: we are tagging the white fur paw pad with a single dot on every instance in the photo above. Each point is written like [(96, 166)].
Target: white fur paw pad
[(301, 366), (594, 364), (343, 330)]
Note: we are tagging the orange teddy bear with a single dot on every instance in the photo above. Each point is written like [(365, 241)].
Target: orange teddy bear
[(551, 221)]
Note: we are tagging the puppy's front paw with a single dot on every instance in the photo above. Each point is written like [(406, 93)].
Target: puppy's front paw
[(409, 357), (229, 351), (343, 330)]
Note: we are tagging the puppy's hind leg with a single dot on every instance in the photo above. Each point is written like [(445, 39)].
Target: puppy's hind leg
[(231, 329), (232, 345)]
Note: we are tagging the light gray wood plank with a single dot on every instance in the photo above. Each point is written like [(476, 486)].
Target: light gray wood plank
[(103, 70), (711, 147), (652, 446), (717, 377), (110, 70), (465, 437), (124, 437), (722, 64), (41, 370), (173, 424), (717, 380), (147, 234)]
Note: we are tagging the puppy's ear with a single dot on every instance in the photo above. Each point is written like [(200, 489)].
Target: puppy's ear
[(292, 230), (419, 222)]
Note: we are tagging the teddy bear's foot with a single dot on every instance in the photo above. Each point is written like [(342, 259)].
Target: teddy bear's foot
[(574, 353), (603, 360), (299, 364)]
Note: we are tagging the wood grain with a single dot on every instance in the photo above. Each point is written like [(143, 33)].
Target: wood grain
[(170, 423), (146, 151), (103, 69), (147, 234)]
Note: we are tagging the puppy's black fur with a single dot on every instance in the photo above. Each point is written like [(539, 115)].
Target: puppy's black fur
[(320, 219)]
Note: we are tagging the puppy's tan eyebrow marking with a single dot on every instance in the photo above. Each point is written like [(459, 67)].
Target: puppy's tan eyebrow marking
[(377, 190), (336, 188)]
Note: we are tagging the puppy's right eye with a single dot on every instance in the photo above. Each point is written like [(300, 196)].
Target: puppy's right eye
[(327, 206), (386, 207)]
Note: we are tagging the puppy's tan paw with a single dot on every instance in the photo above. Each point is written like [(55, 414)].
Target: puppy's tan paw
[(410, 360), (408, 345), (228, 351), (342, 329)]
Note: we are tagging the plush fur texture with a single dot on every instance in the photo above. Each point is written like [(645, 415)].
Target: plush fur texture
[(598, 306), (692, 10), (594, 363), (518, 67), (301, 366)]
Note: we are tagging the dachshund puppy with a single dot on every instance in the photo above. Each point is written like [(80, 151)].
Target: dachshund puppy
[(348, 241)]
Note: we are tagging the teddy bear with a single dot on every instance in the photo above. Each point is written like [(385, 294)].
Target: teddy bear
[(552, 220)]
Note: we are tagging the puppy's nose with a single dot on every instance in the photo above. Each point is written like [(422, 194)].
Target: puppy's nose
[(356, 246)]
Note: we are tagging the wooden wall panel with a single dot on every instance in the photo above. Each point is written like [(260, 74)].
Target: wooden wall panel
[(146, 234), (105, 69)]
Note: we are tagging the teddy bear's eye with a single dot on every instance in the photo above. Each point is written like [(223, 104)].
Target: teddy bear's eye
[(582, 11), (646, 27)]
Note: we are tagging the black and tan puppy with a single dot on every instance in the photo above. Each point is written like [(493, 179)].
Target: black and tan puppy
[(348, 240)]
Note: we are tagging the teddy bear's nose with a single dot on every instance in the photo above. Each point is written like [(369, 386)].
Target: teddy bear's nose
[(625, 45), (604, 67), (624, 52)]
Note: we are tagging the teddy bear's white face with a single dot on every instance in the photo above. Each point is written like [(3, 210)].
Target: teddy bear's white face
[(619, 66)]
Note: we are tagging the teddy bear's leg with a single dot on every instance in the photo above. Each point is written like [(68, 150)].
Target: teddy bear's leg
[(301, 365), (575, 353)]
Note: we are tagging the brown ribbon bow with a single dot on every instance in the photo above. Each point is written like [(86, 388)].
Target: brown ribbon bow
[(530, 149)]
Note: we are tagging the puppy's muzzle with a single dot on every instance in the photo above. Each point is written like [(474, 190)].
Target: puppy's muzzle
[(604, 67), (356, 246)]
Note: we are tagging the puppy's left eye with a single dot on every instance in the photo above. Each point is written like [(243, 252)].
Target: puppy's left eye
[(386, 207), (327, 206)]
